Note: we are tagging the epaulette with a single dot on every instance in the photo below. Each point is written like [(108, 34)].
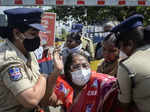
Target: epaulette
[(131, 73), (2, 41)]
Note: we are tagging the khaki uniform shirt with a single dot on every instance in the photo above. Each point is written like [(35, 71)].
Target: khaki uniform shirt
[(25, 70), (108, 68), (139, 63), (87, 44)]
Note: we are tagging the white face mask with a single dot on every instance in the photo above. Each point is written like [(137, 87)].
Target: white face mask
[(122, 55), (81, 77)]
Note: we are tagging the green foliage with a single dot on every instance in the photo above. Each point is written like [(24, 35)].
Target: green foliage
[(64, 12), (92, 15), (64, 34)]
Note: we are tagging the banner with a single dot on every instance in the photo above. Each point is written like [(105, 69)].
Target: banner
[(18, 2), (101, 2), (80, 2), (59, 2), (122, 2), (48, 21), (75, 2), (39, 2)]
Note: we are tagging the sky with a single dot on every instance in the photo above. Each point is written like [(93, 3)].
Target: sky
[(2, 8)]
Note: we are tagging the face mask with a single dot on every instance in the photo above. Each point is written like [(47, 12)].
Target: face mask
[(31, 44), (81, 77), (122, 55)]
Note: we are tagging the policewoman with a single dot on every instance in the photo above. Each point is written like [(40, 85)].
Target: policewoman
[(22, 87), (134, 70)]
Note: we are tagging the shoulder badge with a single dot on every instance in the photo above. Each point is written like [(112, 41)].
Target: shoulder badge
[(15, 74), (2, 42)]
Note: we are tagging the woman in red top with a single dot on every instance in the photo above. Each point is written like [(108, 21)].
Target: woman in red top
[(80, 89)]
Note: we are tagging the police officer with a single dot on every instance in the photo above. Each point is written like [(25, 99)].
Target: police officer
[(87, 43), (22, 87), (133, 72)]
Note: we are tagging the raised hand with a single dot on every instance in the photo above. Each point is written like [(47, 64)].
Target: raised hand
[(58, 62)]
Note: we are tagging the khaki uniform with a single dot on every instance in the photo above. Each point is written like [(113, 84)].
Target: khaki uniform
[(11, 57), (87, 44), (108, 68), (138, 63)]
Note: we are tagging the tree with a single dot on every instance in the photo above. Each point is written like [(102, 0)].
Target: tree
[(64, 34), (94, 15), (64, 12)]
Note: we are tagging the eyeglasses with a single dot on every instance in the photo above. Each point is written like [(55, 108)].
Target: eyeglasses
[(79, 66)]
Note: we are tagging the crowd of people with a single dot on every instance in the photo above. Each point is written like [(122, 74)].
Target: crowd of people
[(31, 84)]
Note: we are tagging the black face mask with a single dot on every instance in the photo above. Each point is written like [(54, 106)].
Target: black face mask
[(31, 44)]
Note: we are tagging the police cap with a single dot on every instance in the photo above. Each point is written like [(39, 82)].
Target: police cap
[(25, 16), (130, 23), (76, 28)]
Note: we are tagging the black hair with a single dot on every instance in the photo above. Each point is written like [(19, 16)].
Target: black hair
[(4, 31), (136, 35), (110, 37), (147, 34), (68, 63), (7, 32), (75, 36)]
